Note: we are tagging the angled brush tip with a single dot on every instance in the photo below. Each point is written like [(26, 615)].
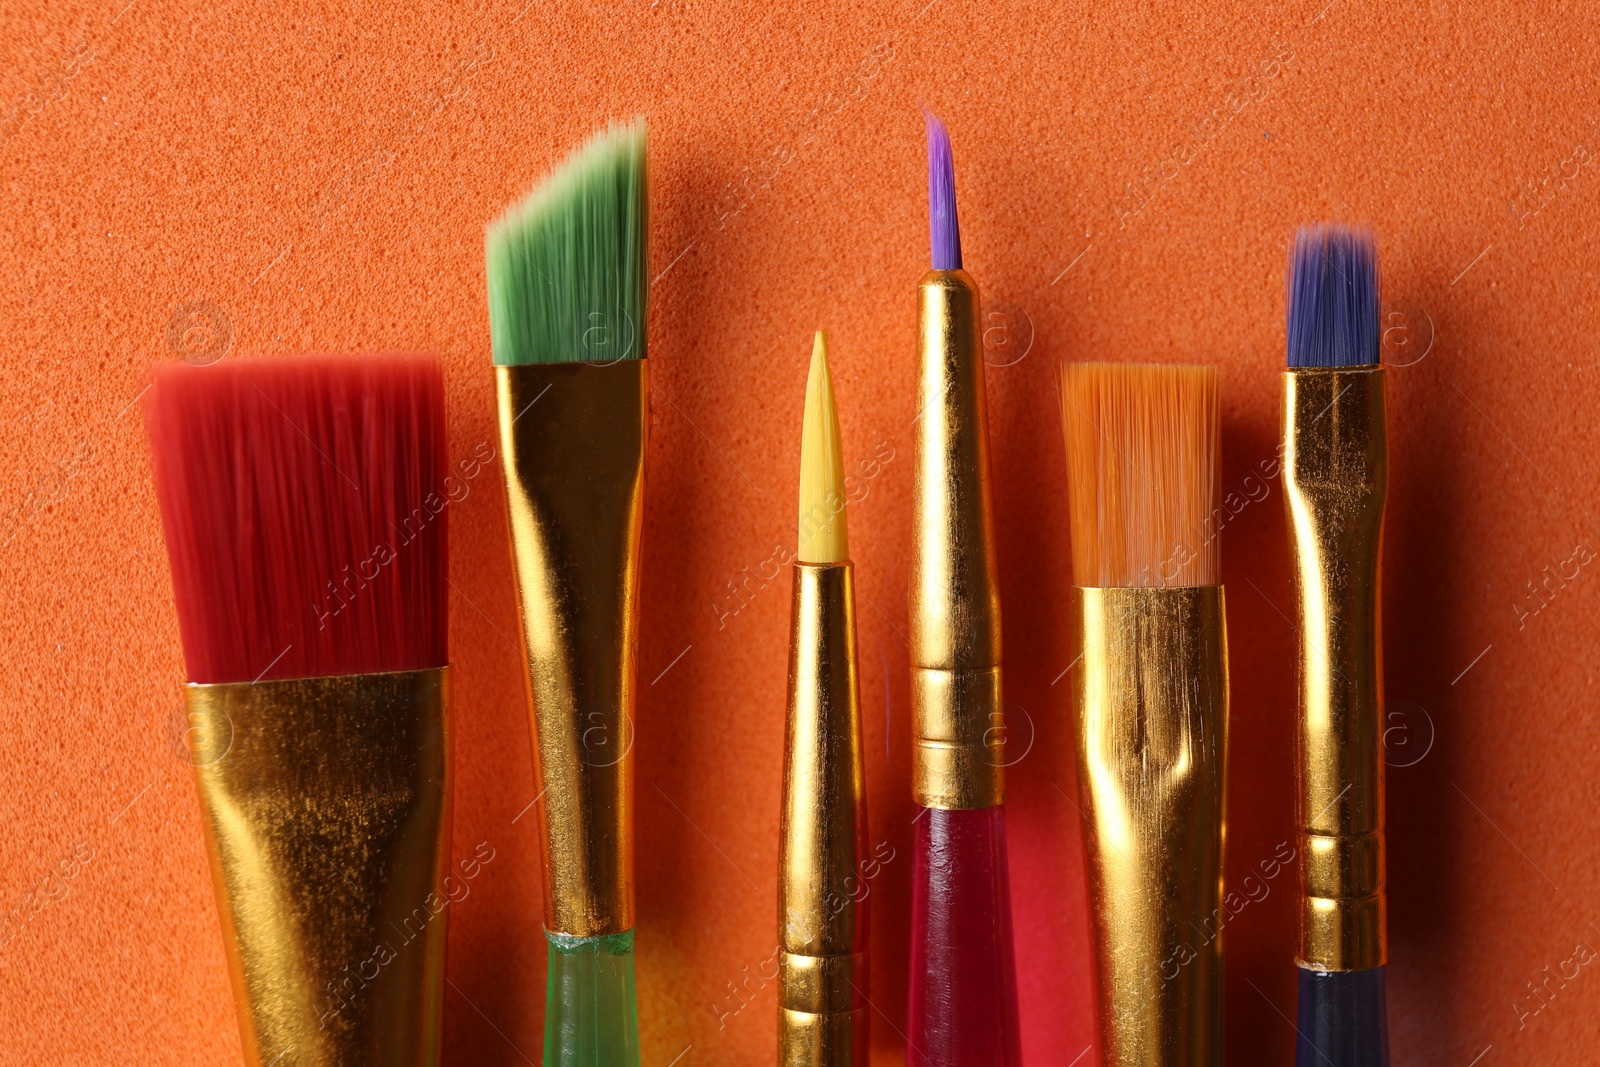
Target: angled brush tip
[(566, 265), (1333, 297), (824, 530), (1143, 470), (943, 227)]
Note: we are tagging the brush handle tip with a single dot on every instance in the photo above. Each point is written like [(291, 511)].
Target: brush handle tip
[(1344, 1019), (963, 989), (590, 1015)]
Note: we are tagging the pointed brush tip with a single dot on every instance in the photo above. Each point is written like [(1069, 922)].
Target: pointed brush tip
[(824, 534), (944, 229), (819, 376)]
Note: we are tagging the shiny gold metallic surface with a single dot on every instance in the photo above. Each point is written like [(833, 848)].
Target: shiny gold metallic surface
[(1335, 477), (1151, 692), (326, 806), (822, 984), (572, 437), (958, 751)]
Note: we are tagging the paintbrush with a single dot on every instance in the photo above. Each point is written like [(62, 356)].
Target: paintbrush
[(962, 1003), (822, 905), (303, 504), (567, 287), (1336, 473), (1151, 696)]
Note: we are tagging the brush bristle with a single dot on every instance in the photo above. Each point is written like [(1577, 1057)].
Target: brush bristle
[(303, 501), (1333, 297), (824, 516), (1143, 456), (944, 229), (566, 266)]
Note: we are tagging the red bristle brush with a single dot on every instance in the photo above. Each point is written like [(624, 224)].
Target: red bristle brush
[(304, 510)]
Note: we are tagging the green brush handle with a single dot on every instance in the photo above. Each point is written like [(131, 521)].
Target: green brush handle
[(590, 1019)]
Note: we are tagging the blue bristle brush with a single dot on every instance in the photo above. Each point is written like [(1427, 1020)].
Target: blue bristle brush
[(1335, 481)]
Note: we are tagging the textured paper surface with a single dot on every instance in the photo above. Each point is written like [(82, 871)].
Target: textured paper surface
[(245, 178)]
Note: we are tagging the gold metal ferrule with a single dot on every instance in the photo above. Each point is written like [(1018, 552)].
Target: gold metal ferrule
[(822, 911), (958, 750), (1151, 693), (1335, 478), (326, 807), (572, 437)]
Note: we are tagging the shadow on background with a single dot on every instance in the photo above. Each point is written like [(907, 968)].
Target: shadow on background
[(1258, 935), (1427, 643)]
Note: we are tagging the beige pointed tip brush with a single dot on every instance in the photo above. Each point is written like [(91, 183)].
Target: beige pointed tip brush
[(822, 997)]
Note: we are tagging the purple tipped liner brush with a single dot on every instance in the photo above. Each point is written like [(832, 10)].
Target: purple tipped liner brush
[(963, 989), (944, 230)]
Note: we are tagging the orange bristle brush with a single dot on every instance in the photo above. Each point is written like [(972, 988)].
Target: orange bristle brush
[(303, 505), (1151, 696)]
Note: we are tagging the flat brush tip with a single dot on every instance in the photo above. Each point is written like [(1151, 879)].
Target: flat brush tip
[(944, 229), (1143, 458), (299, 501), (1333, 297), (823, 529)]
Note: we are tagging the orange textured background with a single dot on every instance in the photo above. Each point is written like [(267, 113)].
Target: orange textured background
[(248, 178)]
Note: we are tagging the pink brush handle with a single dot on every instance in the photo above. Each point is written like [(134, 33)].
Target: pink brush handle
[(963, 999)]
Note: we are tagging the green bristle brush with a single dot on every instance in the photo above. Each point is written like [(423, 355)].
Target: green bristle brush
[(567, 288)]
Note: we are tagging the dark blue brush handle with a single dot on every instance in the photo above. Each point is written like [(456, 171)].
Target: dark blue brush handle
[(1343, 1019)]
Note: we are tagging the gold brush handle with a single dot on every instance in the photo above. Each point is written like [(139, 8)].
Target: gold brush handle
[(822, 910), (1151, 694), (573, 439), (1335, 480), (326, 807), (958, 751)]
